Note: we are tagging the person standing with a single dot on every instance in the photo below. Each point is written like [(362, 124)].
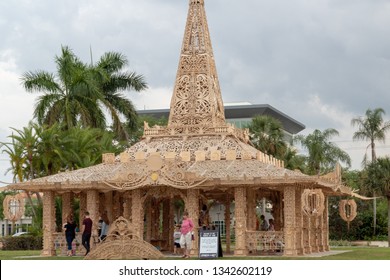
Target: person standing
[(70, 233), (87, 231), (176, 240), (105, 226), (186, 235)]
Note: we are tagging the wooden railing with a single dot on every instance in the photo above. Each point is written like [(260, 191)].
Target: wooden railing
[(265, 242)]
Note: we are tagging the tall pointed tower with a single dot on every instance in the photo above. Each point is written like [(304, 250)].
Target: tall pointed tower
[(196, 101), (197, 119)]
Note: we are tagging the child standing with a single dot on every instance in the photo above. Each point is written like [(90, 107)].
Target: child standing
[(176, 239)]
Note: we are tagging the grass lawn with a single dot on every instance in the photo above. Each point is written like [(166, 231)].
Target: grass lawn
[(353, 253)]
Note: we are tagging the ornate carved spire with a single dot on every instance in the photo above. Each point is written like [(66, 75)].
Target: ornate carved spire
[(196, 101)]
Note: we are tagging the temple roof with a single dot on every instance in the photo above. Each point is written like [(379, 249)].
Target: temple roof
[(165, 169)]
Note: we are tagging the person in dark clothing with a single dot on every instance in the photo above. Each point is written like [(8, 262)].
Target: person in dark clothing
[(87, 231), (70, 233)]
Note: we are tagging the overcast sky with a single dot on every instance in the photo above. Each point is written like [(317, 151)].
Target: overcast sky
[(321, 62)]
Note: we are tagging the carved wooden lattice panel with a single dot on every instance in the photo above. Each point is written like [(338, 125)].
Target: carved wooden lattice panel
[(196, 99), (123, 243)]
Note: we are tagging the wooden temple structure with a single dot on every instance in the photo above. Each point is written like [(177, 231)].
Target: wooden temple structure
[(196, 158)]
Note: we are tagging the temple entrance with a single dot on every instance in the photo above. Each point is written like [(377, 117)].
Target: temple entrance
[(163, 209)]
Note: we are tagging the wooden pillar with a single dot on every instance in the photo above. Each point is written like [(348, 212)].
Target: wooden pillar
[(299, 221), (108, 205), (240, 223), (166, 224), (155, 218), (49, 223), (171, 222), (67, 206), (193, 212), (306, 234), (251, 207), (102, 204), (137, 213), (320, 230), (116, 205), (289, 221), (325, 222), (277, 212), (227, 223), (148, 214), (315, 235), (127, 206), (93, 209)]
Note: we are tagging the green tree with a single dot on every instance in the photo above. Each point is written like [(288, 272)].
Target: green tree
[(267, 136), (68, 97), (113, 79), (371, 128), (377, 182), (21, 151), (84, 147), (49, 150), (15, 152), (80, 93), (322, 153), (293, 161)]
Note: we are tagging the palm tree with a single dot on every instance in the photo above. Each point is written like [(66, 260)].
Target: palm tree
[(15, 152), (49, 150), (267, 135), (322, 154), (378, 181), (84, 147), (18, 160), (112, 79), (371, 128), (69, 97), (293, 161), (80, 93)]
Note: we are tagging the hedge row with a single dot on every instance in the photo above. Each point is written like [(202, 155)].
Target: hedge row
[(22, 243)]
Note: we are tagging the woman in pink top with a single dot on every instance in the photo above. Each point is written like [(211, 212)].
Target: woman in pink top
[(186, 234)]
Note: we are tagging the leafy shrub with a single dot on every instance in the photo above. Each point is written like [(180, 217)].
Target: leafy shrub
[(22, 243)]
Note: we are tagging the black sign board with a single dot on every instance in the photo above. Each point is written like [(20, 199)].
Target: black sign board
[(208, 244)]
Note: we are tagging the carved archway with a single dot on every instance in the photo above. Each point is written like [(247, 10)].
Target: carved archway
[(122, 243)]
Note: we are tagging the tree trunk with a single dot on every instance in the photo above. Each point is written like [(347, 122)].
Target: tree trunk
[(373, 159), (373, 154)]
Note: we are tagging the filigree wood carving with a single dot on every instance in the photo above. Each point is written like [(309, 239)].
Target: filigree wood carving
[(122, 243), (156, 171), (13, 207), (313, 202), (196, 100), (348, 210)]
